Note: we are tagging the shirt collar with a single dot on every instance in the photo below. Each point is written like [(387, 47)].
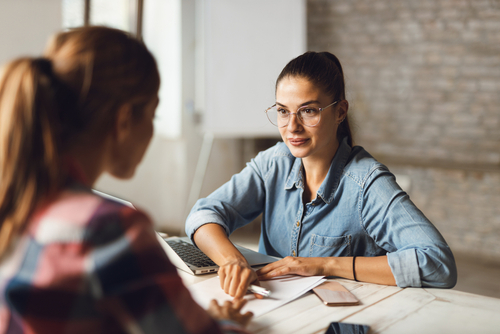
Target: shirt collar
[(332, 179), (295, 176)]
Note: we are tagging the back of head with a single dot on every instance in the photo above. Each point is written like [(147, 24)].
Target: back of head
[(68, 97), (322, 69), (104, 68)]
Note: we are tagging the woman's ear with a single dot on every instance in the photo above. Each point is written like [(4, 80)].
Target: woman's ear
[(123, 122), (342, 111)]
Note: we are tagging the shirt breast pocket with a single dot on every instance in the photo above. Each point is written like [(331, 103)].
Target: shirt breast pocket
[(323, 246)]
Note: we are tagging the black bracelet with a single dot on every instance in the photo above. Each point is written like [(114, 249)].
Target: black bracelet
[(353, 268)]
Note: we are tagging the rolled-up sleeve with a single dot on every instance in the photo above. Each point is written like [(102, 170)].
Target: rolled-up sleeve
[(417, 253), (236, 203), (199, 218)]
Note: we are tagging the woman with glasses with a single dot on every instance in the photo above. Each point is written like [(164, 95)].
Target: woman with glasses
[(328, 207), (72, 261)]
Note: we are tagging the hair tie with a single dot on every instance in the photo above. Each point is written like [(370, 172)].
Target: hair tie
[(45, 66), (354, 268), (68, 112)]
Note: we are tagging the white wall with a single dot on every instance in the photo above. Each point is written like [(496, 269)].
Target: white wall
[(25, 26)]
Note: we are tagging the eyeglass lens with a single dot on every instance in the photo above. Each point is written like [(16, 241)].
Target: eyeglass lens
[(280, 117)]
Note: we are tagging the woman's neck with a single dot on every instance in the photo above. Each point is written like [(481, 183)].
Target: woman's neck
[(89, 160), (316, 167), (315, 171)]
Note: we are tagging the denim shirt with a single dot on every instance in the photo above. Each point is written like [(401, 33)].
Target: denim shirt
[(359, 210)]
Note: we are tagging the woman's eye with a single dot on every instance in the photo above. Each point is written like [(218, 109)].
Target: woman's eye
[(309, 111), (282, 112)]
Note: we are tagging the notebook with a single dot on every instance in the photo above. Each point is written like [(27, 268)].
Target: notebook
[(185, 256)]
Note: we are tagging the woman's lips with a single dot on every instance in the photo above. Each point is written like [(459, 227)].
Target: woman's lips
[(297, 141)]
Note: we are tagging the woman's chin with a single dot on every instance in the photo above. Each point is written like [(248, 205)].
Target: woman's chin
[(298, 152), (124, 174)]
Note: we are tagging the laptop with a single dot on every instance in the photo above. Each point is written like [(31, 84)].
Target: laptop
[(186, 257), (114, 198)]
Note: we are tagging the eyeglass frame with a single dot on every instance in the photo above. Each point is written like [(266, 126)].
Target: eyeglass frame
[(296, 113)]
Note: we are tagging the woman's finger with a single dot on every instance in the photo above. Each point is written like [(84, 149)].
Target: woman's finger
[(214, 304), (285, 262), (222, 277), (280, 271), (245, 318), (227, 282), (239, 303), (214, 309), (268, 268), (235, 280), (245, 280)]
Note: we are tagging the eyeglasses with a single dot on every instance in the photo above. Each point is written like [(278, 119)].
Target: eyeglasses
[(307, 115)]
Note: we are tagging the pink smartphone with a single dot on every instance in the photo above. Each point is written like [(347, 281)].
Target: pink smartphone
[(334, 294)]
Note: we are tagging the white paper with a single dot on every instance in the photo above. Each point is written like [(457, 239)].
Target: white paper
[(283, 290)]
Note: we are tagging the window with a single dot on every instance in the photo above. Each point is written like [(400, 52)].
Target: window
[(120, 14), (161, 22)]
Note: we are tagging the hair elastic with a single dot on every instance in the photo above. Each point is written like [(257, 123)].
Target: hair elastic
[(353, 268), (45, 66)]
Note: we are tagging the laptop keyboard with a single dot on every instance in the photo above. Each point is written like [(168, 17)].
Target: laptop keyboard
[(190, 254)]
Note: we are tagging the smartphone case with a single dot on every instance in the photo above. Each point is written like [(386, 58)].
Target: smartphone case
[(345, 328), (334, 294)]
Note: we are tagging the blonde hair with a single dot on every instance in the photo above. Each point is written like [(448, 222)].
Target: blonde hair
[(48, 104)]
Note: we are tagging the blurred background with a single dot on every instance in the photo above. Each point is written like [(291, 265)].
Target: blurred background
[(423, 82)]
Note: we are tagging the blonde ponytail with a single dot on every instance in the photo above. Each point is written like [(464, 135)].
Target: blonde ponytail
[(29, 156)]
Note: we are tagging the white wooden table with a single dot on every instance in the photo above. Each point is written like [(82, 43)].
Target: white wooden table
[(385, 309)]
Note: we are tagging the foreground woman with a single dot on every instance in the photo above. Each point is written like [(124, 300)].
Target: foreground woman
[(71, 261)]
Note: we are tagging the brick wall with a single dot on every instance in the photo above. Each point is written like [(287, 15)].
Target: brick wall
[(423, 80)]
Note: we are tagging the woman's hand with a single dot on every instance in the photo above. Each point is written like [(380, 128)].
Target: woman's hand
[(235, 277), (234, 271), (230, 311), (304, 266)]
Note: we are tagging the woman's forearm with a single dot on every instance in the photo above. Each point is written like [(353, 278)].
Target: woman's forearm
[(367, 269), (213, 241)]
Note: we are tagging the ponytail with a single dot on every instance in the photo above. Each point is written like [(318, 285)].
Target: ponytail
[(29, 152)]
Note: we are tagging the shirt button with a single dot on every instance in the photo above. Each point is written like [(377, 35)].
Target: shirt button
[(298, 224), (293, 253)]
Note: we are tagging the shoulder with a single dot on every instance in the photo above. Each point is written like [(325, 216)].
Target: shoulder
[(277, 153), (277, 157), (362, 167), (79, 215), (112, 218)]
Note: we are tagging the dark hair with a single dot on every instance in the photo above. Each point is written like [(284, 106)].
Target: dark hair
[(322, 69), (49, 104)]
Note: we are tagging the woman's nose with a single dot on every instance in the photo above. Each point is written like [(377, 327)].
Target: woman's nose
[(294, 123)]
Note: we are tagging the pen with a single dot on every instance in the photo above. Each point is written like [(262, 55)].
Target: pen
[(259, 290)]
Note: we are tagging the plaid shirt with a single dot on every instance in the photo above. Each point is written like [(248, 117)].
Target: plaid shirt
[(90, 265)]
